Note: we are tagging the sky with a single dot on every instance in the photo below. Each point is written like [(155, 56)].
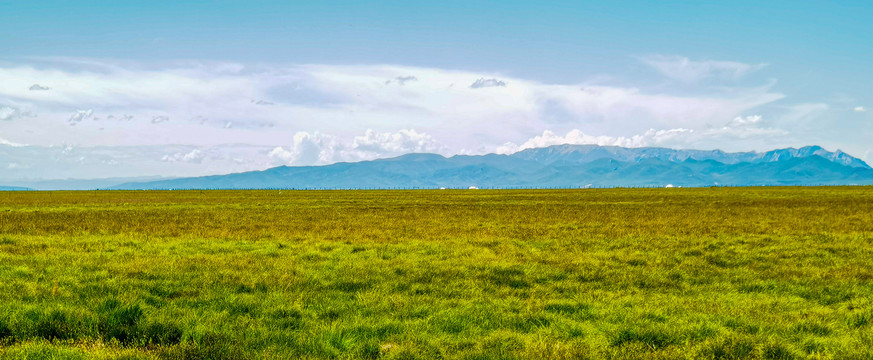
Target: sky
[(98, 89)]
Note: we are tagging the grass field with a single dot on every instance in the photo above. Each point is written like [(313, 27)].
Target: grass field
[(722, 273)]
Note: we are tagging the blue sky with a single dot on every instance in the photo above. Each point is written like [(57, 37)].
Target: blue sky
[(737, 75)]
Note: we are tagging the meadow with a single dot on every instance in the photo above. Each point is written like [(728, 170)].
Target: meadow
[(706, 273)]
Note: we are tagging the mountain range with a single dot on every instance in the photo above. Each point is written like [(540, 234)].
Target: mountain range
[(561, 166)]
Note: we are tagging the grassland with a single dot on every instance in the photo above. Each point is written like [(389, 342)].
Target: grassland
[(724, 273)]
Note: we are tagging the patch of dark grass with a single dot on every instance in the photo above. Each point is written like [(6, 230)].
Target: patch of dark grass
[(119, 322), (502, 346), (142, 275), (730, 349), (256, 288), (825, 295), (510, 277), (756, 288), (489, 355), (778, 352), (722, 261), (378, 332), (675, 277), (693, 253), (812, 347), (241, 308), (742, 326), (553, 277), (159, 333), (420, 289), (288, 319), (60, 325), (528, 323), (331, 312), (367, 350), (860, 320), (210, 346), (591, 276), (312, 257), (570, 331), (414, 313), (417, 351), (702, 333), (656, 283), (6, 334), (340, 340), (169, 291), (636, 262), (578, 311), (654, 317), (153, 301), (132, 357), (813, 328), (350, 286), (651, 338), (244, 289), (453, 324)]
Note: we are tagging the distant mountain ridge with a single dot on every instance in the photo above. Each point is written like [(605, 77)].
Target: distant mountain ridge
[(588, 153), (569, 166)]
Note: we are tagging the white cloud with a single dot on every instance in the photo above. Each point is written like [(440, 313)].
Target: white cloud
[(159, 119), (402, 80), (689, 71), (745, 121), (738, 128), (80, 115), (860, 109), (309, 149), (9, 143), (651, 137), (403, 141), (483, 83), (124, 117), (8, 113), (66, 162), (317, 148), (282, 155), (195, 155)]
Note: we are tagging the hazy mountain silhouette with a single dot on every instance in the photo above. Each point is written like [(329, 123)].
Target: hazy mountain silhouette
[(14, 188), (568, 166)]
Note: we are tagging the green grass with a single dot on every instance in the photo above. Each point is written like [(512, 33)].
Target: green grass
[(722, 273)]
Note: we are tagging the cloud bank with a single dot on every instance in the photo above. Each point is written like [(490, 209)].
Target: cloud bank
[(690, 71), (319, 114), (319, 149)]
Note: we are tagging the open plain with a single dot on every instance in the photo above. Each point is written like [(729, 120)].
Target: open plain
[(706, 273)]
